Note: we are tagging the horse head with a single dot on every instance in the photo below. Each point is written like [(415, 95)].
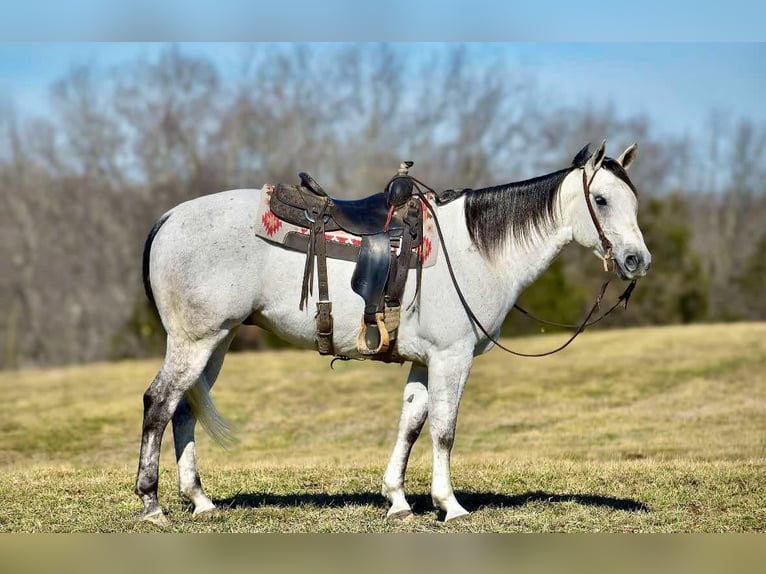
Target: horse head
[(613, 208)]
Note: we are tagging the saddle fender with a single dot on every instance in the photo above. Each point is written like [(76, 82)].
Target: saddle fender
[(371, 272), (369, 282)]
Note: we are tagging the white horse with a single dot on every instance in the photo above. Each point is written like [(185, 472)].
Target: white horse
[(210, 273)]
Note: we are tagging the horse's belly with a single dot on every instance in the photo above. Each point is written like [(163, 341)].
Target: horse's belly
[(277, 308)]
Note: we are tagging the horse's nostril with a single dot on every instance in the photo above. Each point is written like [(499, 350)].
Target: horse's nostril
[(632, 262)]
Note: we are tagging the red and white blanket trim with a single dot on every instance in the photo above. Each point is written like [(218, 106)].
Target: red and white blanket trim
[(270, 227)]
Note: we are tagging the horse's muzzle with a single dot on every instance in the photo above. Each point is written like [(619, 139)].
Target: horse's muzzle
[(633, 264)]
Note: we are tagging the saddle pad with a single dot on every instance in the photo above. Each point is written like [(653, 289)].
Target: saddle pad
[(341, 245)]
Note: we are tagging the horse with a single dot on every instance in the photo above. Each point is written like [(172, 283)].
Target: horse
[(207, 273)]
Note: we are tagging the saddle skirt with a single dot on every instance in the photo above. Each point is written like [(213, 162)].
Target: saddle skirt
[(340, 244)]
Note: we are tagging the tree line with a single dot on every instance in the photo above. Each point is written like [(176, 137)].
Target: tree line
[(81, 186)]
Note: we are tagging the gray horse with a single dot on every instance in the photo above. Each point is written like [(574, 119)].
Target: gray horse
[(208, 273)]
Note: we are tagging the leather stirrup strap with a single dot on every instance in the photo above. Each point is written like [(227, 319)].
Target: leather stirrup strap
[(308, 271), (307, 287), (401, 265), (324, 306)]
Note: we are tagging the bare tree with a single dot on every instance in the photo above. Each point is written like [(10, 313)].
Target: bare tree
[(80, 189)]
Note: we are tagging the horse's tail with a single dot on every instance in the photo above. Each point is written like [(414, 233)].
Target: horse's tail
[(147, 254), (219, 429)]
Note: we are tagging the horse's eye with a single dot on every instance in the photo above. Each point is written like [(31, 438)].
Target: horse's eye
[(600, 200)]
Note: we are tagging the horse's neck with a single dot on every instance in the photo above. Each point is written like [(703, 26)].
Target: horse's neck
[(515, 267), (526, 261)]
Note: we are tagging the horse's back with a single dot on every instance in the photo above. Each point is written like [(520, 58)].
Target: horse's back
[(224, 204)]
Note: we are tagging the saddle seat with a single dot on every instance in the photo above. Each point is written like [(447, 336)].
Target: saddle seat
[(366, 216)]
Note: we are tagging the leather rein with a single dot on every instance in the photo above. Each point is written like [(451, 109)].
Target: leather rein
[(608, 259)]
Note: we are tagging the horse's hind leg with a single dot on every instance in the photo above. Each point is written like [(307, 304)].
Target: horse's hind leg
[(414, 412), (184, 363), (184, 421)]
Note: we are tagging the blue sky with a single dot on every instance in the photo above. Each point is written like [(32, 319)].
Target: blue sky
[(389, 20), (675, 85)]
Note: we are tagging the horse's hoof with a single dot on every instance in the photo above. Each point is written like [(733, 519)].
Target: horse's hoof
[(205, 513), (456, 514), (402, 515), (157, 518)]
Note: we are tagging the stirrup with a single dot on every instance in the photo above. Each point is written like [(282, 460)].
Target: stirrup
[(373, 335)]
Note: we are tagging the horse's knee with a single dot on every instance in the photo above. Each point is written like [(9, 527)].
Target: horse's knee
[(444, 438)]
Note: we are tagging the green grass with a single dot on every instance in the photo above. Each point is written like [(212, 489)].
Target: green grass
[(640, 430)]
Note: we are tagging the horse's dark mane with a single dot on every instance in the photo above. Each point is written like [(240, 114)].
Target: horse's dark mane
[(517, 209), (521, 209)]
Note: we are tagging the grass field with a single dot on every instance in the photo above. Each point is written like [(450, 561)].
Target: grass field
[(641, 430)]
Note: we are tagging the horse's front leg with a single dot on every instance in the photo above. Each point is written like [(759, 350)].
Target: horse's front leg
[(448, 374), (414, 412)]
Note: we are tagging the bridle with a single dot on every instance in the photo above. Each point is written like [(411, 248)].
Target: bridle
[(606, 245), (608, 259)]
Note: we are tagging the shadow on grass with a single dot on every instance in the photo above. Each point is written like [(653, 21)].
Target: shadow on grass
[(421, 503)]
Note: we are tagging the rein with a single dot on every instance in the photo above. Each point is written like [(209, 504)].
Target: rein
[(608, 259)]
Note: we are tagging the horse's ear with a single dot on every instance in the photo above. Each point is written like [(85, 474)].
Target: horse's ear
[(582, 156), (594, 162), (628, 156)]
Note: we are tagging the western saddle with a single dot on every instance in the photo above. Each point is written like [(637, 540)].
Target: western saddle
[(390, 224)]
